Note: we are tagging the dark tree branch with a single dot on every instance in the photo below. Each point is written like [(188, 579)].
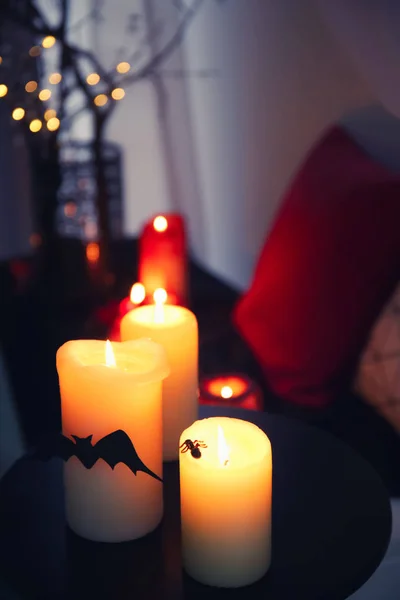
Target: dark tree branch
[(94, 14), (78, 53), (166, 51)]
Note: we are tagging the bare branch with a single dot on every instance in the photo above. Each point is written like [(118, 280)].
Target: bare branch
[(97, 67), (69, 118), (92, 15), (169, 47)]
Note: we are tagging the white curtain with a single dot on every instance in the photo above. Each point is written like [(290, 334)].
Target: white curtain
[(277, 79), (262, 80)]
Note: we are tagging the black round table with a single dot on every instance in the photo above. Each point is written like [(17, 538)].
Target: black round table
[(331, 526)]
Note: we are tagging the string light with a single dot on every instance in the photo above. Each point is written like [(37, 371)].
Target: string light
[(35, 125), (55, 78), (48, 41), (118, 94), (34, 51), (50, 113), (123, 67), (44, 95), (31, 86), (53, 124), (3, 90), (18, 114), (1, 59), (93, 78), (100, 100)]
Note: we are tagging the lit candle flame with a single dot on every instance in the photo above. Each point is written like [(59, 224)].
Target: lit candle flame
[(160, 223), (138, 293), (223, 449), (226, 392), (160, 298), (110, 357)]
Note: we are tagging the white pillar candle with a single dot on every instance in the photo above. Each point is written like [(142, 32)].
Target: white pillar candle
[(226, 498), (175, 328), (101, 394)]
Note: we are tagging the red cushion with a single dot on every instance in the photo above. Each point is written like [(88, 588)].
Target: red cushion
[(326, 269)]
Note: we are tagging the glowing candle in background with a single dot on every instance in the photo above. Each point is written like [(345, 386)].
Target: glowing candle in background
[(93, 253), (136, 297), (175, 328), (231, 389), (107, 388), (163, 258), (226, 497)]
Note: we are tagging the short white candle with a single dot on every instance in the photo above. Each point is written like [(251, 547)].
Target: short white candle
[(226, 499), (101, 394), (175, 328)]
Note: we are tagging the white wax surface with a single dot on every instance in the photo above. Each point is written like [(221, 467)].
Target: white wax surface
[(102, 503), (178, 335), (226, 509)]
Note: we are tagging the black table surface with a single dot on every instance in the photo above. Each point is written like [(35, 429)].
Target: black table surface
[(331, 525)]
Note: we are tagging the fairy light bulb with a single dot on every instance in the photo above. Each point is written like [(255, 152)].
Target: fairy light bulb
[(34, 51), (93, 78), (55, 78), (18, 113), (48, 41), (123, 67), (100, 100), (53, 124), (50, 113), (44, 95), (35, 125), (31, 86), (118, 94)]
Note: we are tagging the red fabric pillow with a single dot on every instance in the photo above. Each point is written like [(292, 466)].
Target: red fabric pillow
[(327, 268)]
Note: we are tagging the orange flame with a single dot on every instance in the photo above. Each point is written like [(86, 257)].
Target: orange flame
[(226, 392), (110, 356), (223, 448), (160, 297), (138, 293), (160, 224)]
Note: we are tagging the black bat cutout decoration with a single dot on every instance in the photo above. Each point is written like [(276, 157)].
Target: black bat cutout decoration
[(114, 448)]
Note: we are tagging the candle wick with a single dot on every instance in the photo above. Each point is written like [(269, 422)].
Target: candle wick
[(226, 462)]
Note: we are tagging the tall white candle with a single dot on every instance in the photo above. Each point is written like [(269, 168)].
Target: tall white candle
[(175, 328), (102, 393), (226, 496)]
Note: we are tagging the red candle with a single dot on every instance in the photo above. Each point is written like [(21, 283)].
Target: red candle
[(231, 389), (162, 258)]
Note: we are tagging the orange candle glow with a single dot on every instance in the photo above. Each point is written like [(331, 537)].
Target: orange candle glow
[(93, 253), (109, 389), (174, 328), (136, 298), (226, 495), (162, 258), (231, 390)]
